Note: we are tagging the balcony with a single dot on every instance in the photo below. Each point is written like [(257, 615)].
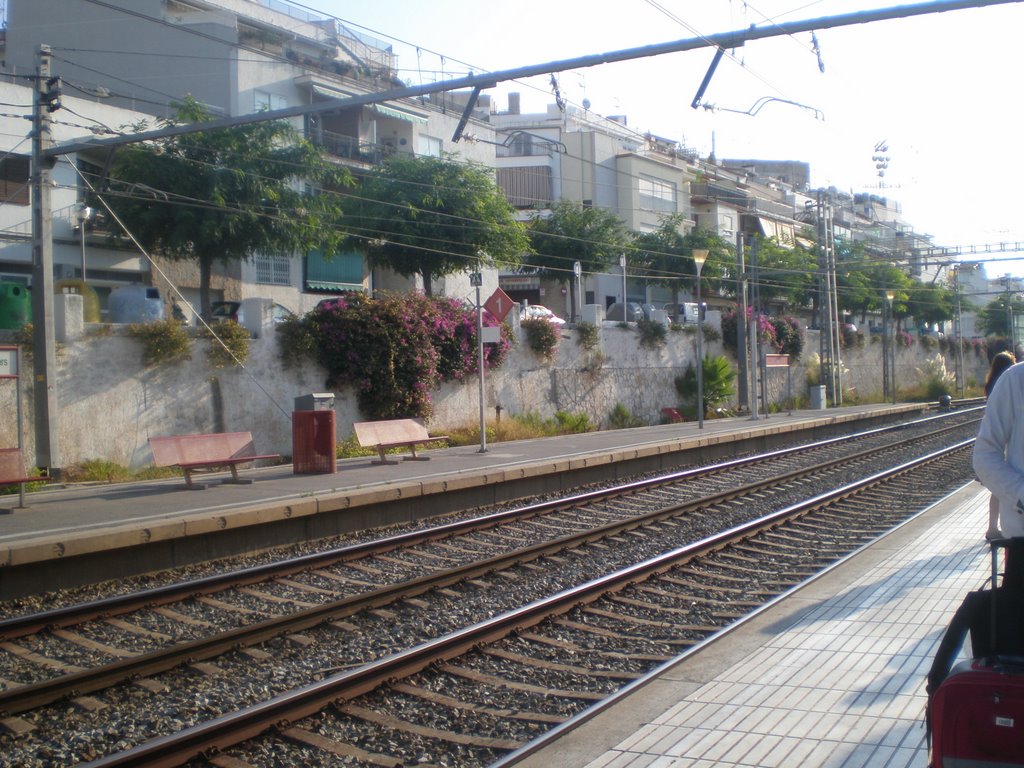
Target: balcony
[(351, 148)]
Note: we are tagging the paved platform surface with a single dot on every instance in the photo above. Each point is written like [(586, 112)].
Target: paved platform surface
[(831, 677), (60, 522)]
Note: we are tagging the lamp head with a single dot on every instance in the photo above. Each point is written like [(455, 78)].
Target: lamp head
[(700, 255), (890, 295)]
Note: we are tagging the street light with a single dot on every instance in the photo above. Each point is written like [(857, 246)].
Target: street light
[(889, 296), (700, 255), (85, 215)]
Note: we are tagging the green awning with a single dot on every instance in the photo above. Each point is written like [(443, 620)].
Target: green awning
[(341, 272), (399, 114), (319, 285)]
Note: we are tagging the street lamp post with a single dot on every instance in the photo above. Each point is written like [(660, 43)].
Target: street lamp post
[(85, 215), (700, 255), (889, 296)]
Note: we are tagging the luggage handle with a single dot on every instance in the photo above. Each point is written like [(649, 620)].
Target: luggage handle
[(995, 546)]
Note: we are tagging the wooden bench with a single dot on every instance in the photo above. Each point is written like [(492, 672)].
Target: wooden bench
[(12, 471), (207, 453), (395, 433)]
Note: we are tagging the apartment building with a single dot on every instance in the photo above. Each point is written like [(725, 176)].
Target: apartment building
[(237, 57), (80, 245)]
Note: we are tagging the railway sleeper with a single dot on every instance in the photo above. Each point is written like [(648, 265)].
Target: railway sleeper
[(434, 697), (529, 661), (397, 724), (501, 682), (558, 642), (331, 746)]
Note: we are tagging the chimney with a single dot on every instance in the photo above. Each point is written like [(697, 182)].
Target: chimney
[(513, 103)]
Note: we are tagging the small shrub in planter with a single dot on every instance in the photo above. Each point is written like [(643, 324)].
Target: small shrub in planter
[(541, 337), (162, 341), (233, 346), (652, 334)]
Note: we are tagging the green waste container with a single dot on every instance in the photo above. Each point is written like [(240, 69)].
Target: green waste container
[(15, 306)]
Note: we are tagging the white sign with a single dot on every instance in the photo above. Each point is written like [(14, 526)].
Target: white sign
[(490, 334), (8, 362)]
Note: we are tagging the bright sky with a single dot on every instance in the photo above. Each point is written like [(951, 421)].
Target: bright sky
[(941, 91)]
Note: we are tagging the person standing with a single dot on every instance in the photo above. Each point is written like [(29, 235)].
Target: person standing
[(1000, 362)]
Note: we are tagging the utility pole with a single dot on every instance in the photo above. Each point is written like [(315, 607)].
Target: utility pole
[(742, 358), (44, 355)]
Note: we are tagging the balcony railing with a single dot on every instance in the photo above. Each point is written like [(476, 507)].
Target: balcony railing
[(351, 148)]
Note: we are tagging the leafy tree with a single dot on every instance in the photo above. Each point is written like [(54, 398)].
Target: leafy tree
[(224, 195), (785, 274), (595, 237), (666, 255), (931, 303), (993, 319), (431, 217)]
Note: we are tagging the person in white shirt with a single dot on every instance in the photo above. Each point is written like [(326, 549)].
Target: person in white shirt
[(999, 460)]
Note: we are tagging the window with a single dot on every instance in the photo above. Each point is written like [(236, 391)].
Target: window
[(264, 100), (14, 186), (657, 195), (272, 269), (526, 187), (428, 146)]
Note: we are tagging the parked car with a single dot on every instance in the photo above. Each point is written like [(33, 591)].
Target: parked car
[(539, 312), (222, 311), (682, 313), (634, 312)]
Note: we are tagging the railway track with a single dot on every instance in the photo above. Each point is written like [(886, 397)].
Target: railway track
[(585, 537)]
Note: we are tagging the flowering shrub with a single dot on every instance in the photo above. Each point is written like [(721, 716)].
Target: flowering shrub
[(904, 339), (394, 350), (764, 325), (789, 336), (782, 334)]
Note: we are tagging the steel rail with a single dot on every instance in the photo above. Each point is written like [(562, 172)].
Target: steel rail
[(231, 729), (24, 698), (20, 626)]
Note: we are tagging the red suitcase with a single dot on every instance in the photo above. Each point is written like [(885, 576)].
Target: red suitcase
[(976, 713), (978, 716)]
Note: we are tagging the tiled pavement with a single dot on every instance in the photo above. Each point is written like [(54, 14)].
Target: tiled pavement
[(843, 685)]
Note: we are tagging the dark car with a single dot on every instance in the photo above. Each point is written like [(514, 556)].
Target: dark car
[(634, 312), (222, 311)]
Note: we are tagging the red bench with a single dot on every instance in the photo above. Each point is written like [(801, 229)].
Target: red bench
[(394, 433), (207, 453), (12, 471)]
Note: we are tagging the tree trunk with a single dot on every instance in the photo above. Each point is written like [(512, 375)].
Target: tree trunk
[(205, 273), (428, 287)]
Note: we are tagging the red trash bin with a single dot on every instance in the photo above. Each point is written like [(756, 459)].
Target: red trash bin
[(314, 440)]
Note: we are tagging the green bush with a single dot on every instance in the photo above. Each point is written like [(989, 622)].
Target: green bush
[(229, 344), (621, 418), (162, 341), (588, 337), (652, 334), (541, 337), (717, 384)]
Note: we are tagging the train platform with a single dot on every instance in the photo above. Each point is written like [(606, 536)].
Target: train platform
[(64, 522), (832, 675)]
